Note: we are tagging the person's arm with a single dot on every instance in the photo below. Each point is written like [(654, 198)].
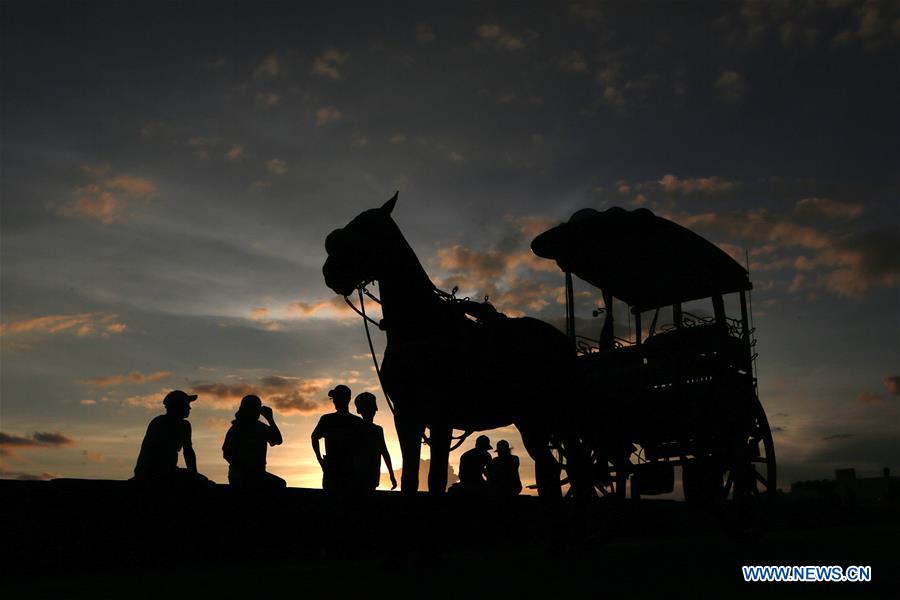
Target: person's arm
[(274, 433), (190, 459), (316, 436), (387, 460), (228, 446)]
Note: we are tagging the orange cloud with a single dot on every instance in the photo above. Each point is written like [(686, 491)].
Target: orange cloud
[(892, 384), (94, 457), (500, 37), (846, 266), (267, 99), (276, 166), (268, 68), (133, 377), (869, 398), (327, 64), (831, 209), (326, 115), (82, 325), (105, 200), (329, 309), (708, 185), (287, 394)]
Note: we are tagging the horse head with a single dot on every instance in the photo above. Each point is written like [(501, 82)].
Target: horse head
[(358, 251)]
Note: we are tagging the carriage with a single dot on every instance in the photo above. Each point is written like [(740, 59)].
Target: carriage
[(594, 415), (672, 382)]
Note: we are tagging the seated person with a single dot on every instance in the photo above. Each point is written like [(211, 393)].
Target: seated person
[(503, 472), (472, 467), (245, 446), (166, 436)]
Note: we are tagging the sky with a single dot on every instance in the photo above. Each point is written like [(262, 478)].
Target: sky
[(169, 172)]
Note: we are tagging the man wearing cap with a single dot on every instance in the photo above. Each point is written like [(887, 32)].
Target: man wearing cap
[(472, 466), (341, 431), (503, 472), (166, 436), (372, 448)]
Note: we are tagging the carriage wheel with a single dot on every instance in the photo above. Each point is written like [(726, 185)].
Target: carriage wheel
[(738, 476)]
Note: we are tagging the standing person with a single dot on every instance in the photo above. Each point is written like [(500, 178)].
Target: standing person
[(166, 436), (372, 447), (472, 466), (503, 472), (341, 431), (245, 446)]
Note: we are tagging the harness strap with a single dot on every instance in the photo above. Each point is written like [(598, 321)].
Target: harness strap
[(366, 320)]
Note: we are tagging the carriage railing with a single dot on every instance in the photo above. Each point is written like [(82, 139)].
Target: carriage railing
[(585, 345)]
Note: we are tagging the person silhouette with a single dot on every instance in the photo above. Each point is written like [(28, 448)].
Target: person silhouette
[(472, 466), (341, 431), (372, 447), (503, 472), (245, 446), (166, 436)]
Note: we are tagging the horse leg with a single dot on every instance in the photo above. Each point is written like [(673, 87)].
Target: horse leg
[(440, 456), (409, 433), (546, 469)]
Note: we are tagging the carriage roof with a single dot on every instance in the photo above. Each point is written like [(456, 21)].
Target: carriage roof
[(640, 258)]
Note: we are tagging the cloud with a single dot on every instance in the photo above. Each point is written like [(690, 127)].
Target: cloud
[(94, 457), (424, 34), (869, 398), (892, 384), (619, 91), (844, 265), (235, 152), (286, 394), (397, 138), (82, 325), (133, 377), (267, 99), (499, 37), (327, 65), (276, 166), (268, 68), (333, 308), (707, 185), (326, 115), (574, 62), (105, 200), (456, 157), (830, 209), (40, 439), (359, 141), (7, 474), (730, 86)]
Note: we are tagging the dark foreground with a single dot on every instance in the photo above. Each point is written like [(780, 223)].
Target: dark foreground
[(105, 539)]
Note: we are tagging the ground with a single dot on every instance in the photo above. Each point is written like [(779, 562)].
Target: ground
[(99, 539)]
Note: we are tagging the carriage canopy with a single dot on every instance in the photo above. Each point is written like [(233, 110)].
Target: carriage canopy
[(640, 258)]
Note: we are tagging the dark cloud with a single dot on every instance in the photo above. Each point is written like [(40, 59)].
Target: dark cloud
[(837, 436), (287, 394), (39, 439), (892, 384)]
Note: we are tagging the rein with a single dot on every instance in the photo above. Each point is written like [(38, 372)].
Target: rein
[(361, 311)]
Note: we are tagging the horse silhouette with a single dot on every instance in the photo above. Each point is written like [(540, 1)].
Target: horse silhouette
[(445, 370)]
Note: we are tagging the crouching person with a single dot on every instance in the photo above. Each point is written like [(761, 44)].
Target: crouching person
[(246, 446), (166, 436)]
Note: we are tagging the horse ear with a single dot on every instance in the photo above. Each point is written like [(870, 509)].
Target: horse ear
[(388, 206)]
